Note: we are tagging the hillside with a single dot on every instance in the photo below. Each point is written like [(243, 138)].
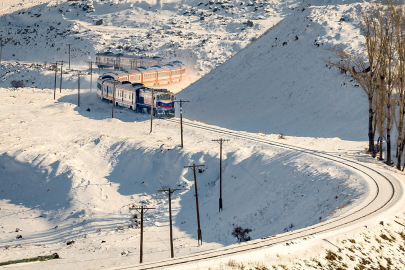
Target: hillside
[(281, 82)]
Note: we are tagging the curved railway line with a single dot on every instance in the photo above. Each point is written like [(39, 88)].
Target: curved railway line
[(388, 191)]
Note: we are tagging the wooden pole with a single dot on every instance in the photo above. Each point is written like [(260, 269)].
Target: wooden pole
[(113, 101), (171, 225), (170, 191), (151, 112), (196, 200), (61, 64), (78, 88), (141, 247), (181, 118), (91, 74), (54, 87), (220, 170), (141, 242), (1, 47), (69, 54)]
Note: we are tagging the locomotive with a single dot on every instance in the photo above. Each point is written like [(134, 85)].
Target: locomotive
[(136, 96)]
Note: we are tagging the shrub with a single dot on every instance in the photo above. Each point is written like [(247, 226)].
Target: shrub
[(242, 235), (17, 84)]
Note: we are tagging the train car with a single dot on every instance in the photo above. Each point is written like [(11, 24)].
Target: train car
[(152, 76), (121, 61), (177, 71), (107, 60), (136, 96)]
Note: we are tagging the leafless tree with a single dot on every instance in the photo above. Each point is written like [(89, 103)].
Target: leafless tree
[(364, 68), (398, 15)]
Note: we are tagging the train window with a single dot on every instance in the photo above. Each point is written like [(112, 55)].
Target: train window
[(165, 97), (99, 86)]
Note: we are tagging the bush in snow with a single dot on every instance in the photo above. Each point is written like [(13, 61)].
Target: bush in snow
[(17, 84), (242, 235)]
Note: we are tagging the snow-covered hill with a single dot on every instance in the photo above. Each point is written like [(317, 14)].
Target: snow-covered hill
[(281, 82), (202, 34)]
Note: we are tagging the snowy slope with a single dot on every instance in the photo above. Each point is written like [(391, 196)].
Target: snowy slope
[(281, 83), (202, 34), (70, 174)]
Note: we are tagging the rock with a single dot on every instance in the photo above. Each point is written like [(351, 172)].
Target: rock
[(249, 23), (70, 242), (100, 22), (17, 229), (19, 236), (202, 18), (88, 109)]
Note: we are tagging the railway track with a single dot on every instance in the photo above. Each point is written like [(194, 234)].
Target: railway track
[(387, 191)]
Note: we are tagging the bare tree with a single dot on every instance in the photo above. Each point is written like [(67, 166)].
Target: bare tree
[(380, 114), (385, 16), (399, 22), (364, 68)]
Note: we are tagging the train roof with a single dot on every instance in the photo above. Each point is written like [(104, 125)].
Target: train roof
[(156, 58), (133, 86)]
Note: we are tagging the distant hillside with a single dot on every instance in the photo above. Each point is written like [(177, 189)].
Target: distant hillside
[(281, 84)]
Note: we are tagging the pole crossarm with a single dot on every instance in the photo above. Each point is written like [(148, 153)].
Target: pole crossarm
[(221, 141)]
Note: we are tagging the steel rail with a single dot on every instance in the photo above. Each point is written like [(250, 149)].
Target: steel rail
[(276, 239)]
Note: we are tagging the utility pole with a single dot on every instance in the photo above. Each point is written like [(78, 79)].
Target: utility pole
[(141, 212), (69, 53), (54, 87), (78, 86), (1, 47), (91, 73), (61, 64), (151, 112), (196, 200), (113, 101), (169, 192), (220, 170), (181, 118)]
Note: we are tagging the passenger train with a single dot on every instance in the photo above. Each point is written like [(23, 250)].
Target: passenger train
[(151, 76), (121, 61), (136, 96)]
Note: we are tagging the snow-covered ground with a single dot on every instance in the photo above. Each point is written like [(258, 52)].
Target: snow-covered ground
[(201, 34), (68, 173), (71, 174)]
